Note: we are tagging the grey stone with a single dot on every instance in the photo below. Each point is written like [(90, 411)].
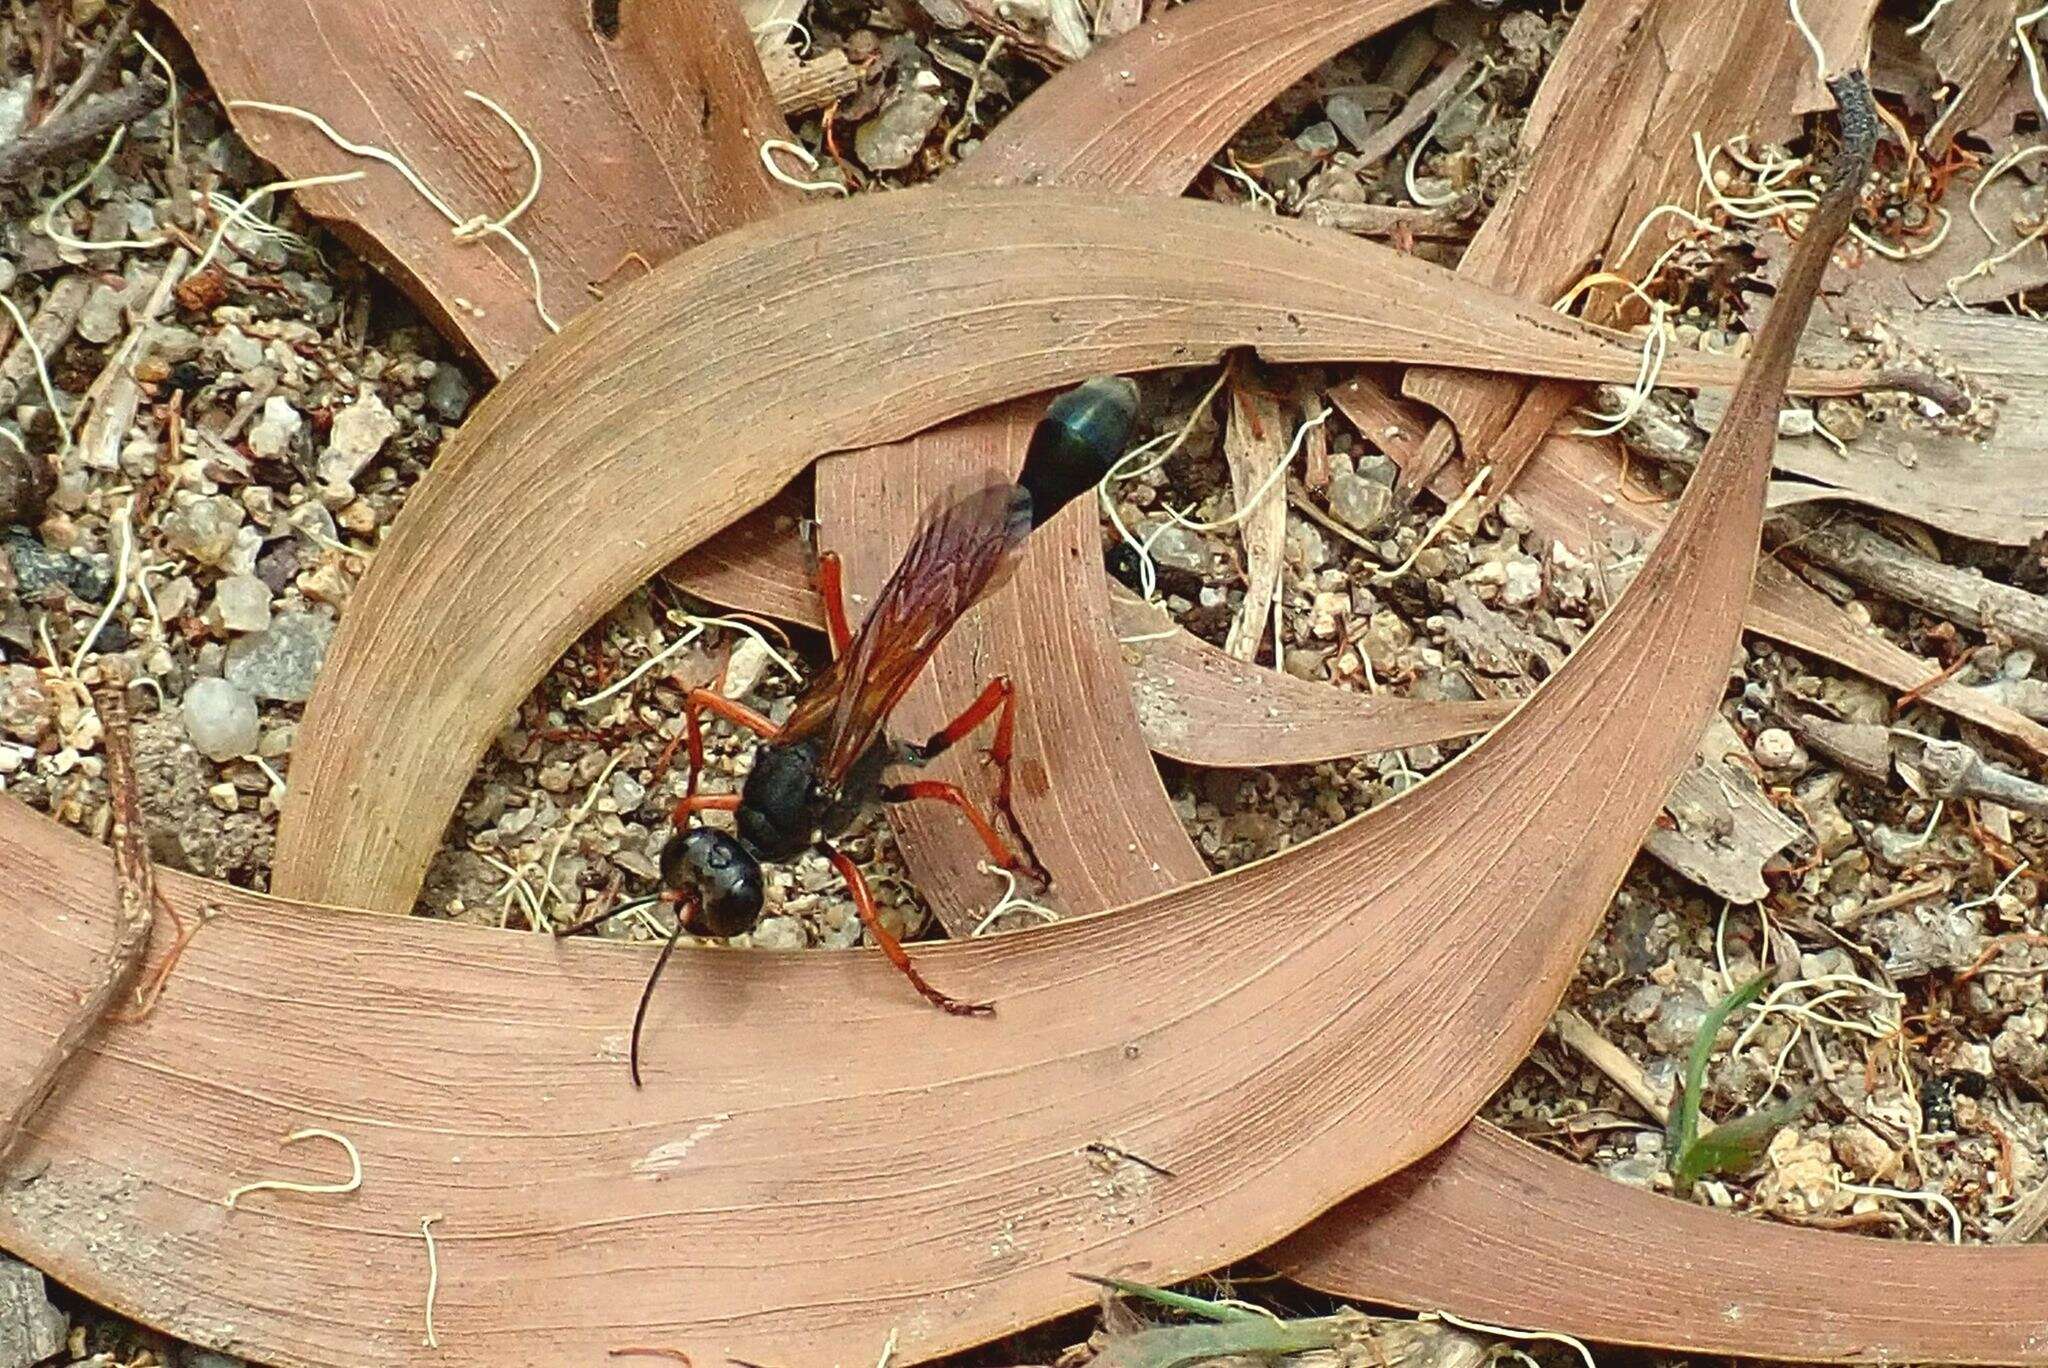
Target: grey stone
[(99, 322), (195, 1357), (1776, 748), (779, 933), (1637, 1170), (14, 98), (204, 528), (25, 707), (240, 350), (1320, 139), (31, 1329), (274, 430), (241, 603), (1358, 502), (37, 568), (359, 433), (1177, 548), (1524, 582), (123, 220), (281, 663), (171, 344), (1350, 116), (1677, 1023), (221, 719), (627, 792), (449, 393), (891, 139)]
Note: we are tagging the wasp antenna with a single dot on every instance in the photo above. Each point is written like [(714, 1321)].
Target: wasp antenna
[(1083, 433), (647, 995)]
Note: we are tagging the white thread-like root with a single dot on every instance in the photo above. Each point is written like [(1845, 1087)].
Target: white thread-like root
[(350, 1184), (810, 163)]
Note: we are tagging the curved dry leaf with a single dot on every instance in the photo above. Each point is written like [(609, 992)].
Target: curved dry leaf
[(795, 1074), (664, 415), (1608, 138), (1148, 110), (1575, 495), (649, 138), (1497, 1230), (757, 564), (1199, 705), (813, 1125), (1256, 439)]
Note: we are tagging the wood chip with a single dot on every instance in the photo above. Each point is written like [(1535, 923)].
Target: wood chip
[(1254, 441)]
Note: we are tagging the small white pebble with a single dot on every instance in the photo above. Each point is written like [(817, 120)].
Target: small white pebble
[(224, 796), (1776, 748)]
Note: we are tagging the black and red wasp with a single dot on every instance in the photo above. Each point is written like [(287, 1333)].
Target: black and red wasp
[(819, 769)]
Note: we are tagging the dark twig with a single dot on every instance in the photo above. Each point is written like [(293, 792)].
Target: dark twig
[(82, 127), (48, 49), (133, 914), (95, 67)]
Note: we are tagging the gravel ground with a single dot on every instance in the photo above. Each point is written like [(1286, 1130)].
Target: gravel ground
[(239, 414)]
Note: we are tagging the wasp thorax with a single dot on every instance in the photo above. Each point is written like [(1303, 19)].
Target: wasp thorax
[(723, 876)]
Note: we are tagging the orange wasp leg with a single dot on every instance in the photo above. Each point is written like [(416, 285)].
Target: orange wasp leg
[(1000, 696), (864, 903), (699, 701), (832, 588), (705, 802), (939, 790)]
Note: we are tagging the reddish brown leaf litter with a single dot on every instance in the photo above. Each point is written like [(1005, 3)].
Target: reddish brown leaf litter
[(1496, 1230), (1310, 1084), (561, 491), (648, 134)]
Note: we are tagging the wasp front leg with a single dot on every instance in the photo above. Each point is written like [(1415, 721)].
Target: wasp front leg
[(695, 703)]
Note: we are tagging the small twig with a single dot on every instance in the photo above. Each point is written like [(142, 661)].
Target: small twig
[(2026, 1219), (56, 138), (1455, 507), (1109, 1151), (1584, 1039), (354, 1180), (1421, 107), (94, 68), (136, 879)]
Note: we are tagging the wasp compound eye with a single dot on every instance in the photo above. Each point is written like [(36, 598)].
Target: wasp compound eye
[(725, 878)]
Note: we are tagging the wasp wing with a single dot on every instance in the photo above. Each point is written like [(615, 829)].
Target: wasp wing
[(961, 551)]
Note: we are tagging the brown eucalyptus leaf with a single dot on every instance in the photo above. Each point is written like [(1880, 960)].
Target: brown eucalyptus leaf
[(666, 413), (1496, 1230), (1988, 486), (808, 1123), (1608, 138), (649, 137), (1086, 793), (1575, 495), (1254, 441), (1143, 115)]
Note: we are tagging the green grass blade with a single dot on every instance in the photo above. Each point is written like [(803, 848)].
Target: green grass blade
[(1685, 1121)]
